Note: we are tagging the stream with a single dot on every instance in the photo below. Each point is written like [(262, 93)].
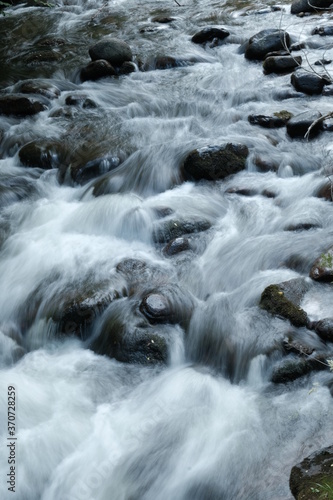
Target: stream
[(209, 424)]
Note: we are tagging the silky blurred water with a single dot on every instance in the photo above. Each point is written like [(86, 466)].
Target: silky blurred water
[(210, 425)]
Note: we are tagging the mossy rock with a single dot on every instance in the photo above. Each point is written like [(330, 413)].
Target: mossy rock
[(283, 115), (322, 269), (312, 479), (283, 300)]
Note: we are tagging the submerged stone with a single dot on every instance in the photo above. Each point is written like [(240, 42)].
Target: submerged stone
[(176, 246), (175, 228), (292, 369), (324, 328)]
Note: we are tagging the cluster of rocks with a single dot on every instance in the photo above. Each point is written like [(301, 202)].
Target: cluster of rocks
[(284, 300)]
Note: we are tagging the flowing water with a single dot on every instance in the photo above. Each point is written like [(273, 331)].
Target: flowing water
[(210, 425)]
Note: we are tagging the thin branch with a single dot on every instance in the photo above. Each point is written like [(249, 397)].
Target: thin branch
[(316, 122)]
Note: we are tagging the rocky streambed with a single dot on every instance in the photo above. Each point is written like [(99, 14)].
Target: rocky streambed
[(166, 248)]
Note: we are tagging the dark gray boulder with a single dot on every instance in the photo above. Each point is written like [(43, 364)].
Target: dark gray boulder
[(266, 41), (267, 121), (111, 49), (42, 153), (20, 106), (215, 162), (209, 34), (281, 64), (324, 328), (309, 479), (83, 173), (299, 6), (96, 70), (176, 246), (308, 83), (299, 125)]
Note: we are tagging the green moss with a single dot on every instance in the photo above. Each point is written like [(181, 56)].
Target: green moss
[(326, 260), (323, 489), (274, 301), (284, 115)]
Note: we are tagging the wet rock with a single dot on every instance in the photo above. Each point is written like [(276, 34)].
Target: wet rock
[(265, 165), (176, 246), (76, 316), (215, 162), (292, 369), (160, 63), (267, 121), (162, 212), (20, 106), (156, 308), (308, 83), (322, 269), (51, 42), (266, 41), (209, 34), (82, 174), (323, 31), (126, 68), (325, 191), (284, 300), (297, 347), (96, 70), (295, 47), (44, 56), (72, 308), (281, 64), (324, 328), (175, 228), (302, 226), (42, 153), (242, 191), (163, 19), (167, 304), (40, 87), (138, 273), (80, 100), (309, 477), (299, 125), (127, 342), (16, 188), (323, 62), (299, 6), (328, 90), (111, 49)]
